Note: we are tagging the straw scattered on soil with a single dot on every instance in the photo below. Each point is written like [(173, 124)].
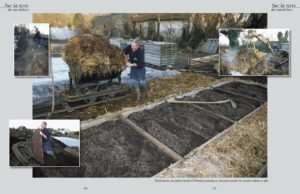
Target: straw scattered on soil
[(240, 152), (177, 85), (158, 89)]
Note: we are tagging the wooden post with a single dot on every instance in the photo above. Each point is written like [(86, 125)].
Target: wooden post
[(152, 139), (158, 27), (262, 171), (53, 91), (70, 84)]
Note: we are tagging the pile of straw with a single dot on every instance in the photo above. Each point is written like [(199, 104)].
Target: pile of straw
[(177, 85), (88, 55)]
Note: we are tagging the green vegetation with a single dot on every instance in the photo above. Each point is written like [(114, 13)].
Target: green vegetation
[(197, 27), (65, 20)]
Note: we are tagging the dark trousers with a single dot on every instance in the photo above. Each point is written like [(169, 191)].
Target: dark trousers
[(47, 148)]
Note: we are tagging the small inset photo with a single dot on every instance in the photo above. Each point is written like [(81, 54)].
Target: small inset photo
[(31, 49), (44, 143), (254, 52)]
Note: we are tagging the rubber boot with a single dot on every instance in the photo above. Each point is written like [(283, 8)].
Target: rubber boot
[(138, 93), (145, 92)]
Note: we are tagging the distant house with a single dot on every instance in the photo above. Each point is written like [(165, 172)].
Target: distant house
[(170, 24), (63, 130)]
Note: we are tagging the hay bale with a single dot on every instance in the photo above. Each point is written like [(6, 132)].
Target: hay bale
[(92, 56)]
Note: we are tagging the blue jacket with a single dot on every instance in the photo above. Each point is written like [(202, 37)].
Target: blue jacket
[(137, 73), (48, 134)]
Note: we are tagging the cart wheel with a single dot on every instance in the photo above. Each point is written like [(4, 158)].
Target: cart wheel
[(112, 95), (83, 90), (90, 100)]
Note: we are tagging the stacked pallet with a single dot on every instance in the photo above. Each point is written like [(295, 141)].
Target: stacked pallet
[(211, 46), (207, 63), (156, 53), (160, 53)]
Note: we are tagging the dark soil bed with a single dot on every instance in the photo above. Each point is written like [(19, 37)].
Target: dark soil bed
[(244, 105), (251, 90), (112, 150), (179, 126)]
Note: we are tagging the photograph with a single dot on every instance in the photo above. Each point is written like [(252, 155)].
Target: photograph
[(31, 50), (150, 97), (254, 52), (147, 91), (44, 143)]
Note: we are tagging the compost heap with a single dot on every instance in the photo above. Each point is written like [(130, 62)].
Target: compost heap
[(246, 61), (249, 59), (88, 55)]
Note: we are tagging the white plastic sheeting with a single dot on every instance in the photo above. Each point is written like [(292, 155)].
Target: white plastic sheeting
[(61, 33), (69, 142), (42, 87)]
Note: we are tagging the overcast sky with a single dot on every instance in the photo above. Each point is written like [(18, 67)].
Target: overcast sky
[(43, 27), (270, 34), (73, 125)]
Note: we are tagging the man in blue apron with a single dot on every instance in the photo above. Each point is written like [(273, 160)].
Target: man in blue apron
[(136, 63), (46, 139)]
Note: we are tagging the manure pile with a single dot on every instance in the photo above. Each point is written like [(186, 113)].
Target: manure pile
[(134, 146), (93, 56), (249, 61)]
